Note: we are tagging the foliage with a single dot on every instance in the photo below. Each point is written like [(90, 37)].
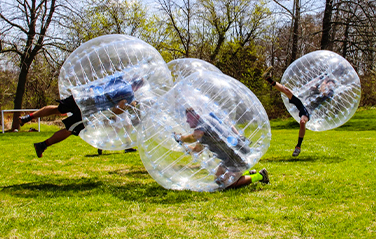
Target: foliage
[(328, 191), (41, 88), (8, 84), (368, 82), (240, 37)]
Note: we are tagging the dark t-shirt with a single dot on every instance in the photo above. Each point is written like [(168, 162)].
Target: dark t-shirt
[(316, 98), (214, 133)]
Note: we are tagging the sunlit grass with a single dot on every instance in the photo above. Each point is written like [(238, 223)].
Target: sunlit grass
[(71, 192)]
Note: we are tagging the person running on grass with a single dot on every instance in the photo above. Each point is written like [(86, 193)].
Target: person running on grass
[(205, 134), (119, 94)]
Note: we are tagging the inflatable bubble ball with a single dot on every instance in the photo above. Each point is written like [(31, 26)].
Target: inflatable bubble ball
[(181, 68), (113, 80), (328, 86), (203, 133)]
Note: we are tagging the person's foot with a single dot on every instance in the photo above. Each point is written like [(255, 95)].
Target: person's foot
[(253, 171), (296, 152), (130, 150), (24, 119), (100, 152), (39, 148), (266, 73), (265, 176)]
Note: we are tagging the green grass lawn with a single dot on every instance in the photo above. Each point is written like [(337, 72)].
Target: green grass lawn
[(71, 192)]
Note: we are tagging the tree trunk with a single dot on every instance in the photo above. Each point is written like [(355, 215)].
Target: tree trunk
[(326, 25), (20, 92), (346, 36), (295, 36)]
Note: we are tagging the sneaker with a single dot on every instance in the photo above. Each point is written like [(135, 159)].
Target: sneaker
[(265, 176), (253, 171), (296, 152), (100, 152), (130, 150), (39, 148), (266, 74), (24, 119)]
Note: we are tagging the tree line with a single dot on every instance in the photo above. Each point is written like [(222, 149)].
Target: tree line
[(240, 37)]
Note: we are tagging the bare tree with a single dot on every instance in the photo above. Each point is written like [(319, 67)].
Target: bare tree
[(295, 16), (24, 25), (326, 25), (221, 15), (181, 16)]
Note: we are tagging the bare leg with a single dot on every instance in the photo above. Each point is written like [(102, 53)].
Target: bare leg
[(242, 181), (46, 111), (283, 89), (55, 138), (59, 136), (302, 129)]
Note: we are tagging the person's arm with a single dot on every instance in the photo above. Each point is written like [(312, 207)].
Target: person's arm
[(197, 148), (123, 106), (191, 138), (326, 90)]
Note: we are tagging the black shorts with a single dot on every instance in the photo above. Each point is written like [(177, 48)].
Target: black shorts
[(304, 111), (72, 123), (299, 105)]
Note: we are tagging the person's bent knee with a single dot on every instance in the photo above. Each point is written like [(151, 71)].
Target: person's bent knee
[(303, 120)]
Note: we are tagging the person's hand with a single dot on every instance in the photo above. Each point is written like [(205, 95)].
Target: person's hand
[(177, 138)]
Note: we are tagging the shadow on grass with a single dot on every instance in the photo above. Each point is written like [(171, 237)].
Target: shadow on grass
[(328, 160), (93, 155), (130, 187)]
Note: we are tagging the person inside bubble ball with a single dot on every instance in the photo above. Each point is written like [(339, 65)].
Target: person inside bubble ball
[(120, 99), (322, 91), (205, 134), (303, 112)]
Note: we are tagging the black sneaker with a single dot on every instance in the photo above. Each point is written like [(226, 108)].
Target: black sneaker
[(265, 176), (296, 151), (100, 152), (130, 150), (24, 119), (39, 148)]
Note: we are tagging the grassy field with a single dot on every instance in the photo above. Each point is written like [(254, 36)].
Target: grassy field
[(329, 191)]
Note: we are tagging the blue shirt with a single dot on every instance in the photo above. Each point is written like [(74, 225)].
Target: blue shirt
[(116, 90), (105, 95)]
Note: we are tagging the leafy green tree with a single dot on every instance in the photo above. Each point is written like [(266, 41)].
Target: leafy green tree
[(181, 21), (97, 18)]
